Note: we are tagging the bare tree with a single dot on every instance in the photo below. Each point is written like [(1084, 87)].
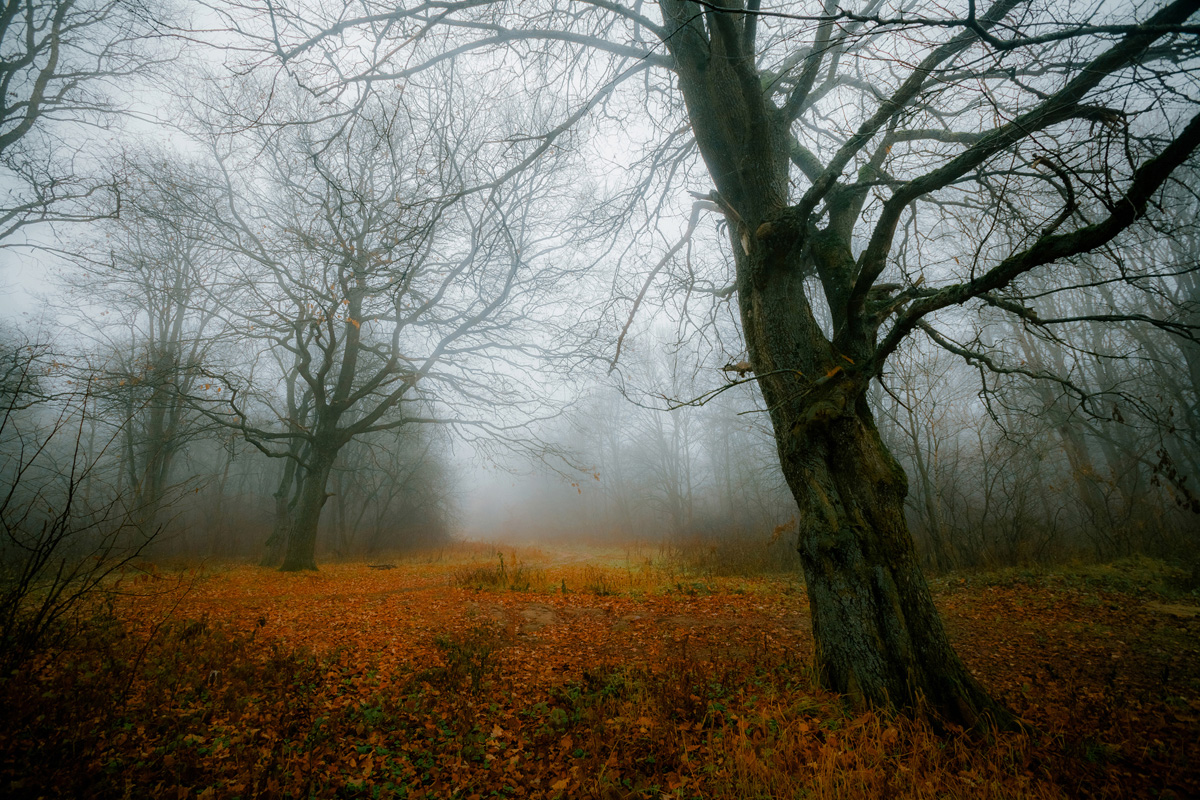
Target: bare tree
[(915, 417), (390, 492), (663, 445), (839, 141), (59, 545), (154, 272), (297, 404), (391, 261), (64, 65)]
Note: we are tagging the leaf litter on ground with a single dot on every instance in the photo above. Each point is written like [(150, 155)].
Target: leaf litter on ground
[(586, 674)]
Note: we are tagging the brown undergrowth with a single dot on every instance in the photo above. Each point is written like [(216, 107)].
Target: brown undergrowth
[(601, 676)]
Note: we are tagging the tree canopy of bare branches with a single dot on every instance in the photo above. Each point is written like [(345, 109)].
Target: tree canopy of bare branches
[(63, 67), (882, 172), (389, 269)]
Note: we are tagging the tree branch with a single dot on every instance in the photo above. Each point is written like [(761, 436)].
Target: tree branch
[(1053, 247)]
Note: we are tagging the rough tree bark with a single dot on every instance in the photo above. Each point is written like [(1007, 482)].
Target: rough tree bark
[(879, 638)]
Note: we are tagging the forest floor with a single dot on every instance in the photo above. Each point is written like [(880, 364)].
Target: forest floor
[(589, 673)]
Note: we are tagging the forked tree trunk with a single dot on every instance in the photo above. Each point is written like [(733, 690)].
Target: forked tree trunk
[(302, 538), (157, 450)]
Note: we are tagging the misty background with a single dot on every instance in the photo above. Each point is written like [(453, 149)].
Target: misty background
[(534, 344)]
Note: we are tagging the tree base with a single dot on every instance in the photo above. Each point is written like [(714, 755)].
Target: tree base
[(310, 566)]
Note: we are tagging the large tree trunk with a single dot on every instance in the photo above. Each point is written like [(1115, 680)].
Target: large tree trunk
[(879, 638), (302, 539), (158, 445)]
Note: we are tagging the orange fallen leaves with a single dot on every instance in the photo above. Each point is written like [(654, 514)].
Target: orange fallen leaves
[(355, 682)]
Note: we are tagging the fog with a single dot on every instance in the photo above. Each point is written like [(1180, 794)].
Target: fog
[(320, 307)]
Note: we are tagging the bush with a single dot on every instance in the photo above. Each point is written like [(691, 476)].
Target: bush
[(498, 578), (470, 657), (59, 552)]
